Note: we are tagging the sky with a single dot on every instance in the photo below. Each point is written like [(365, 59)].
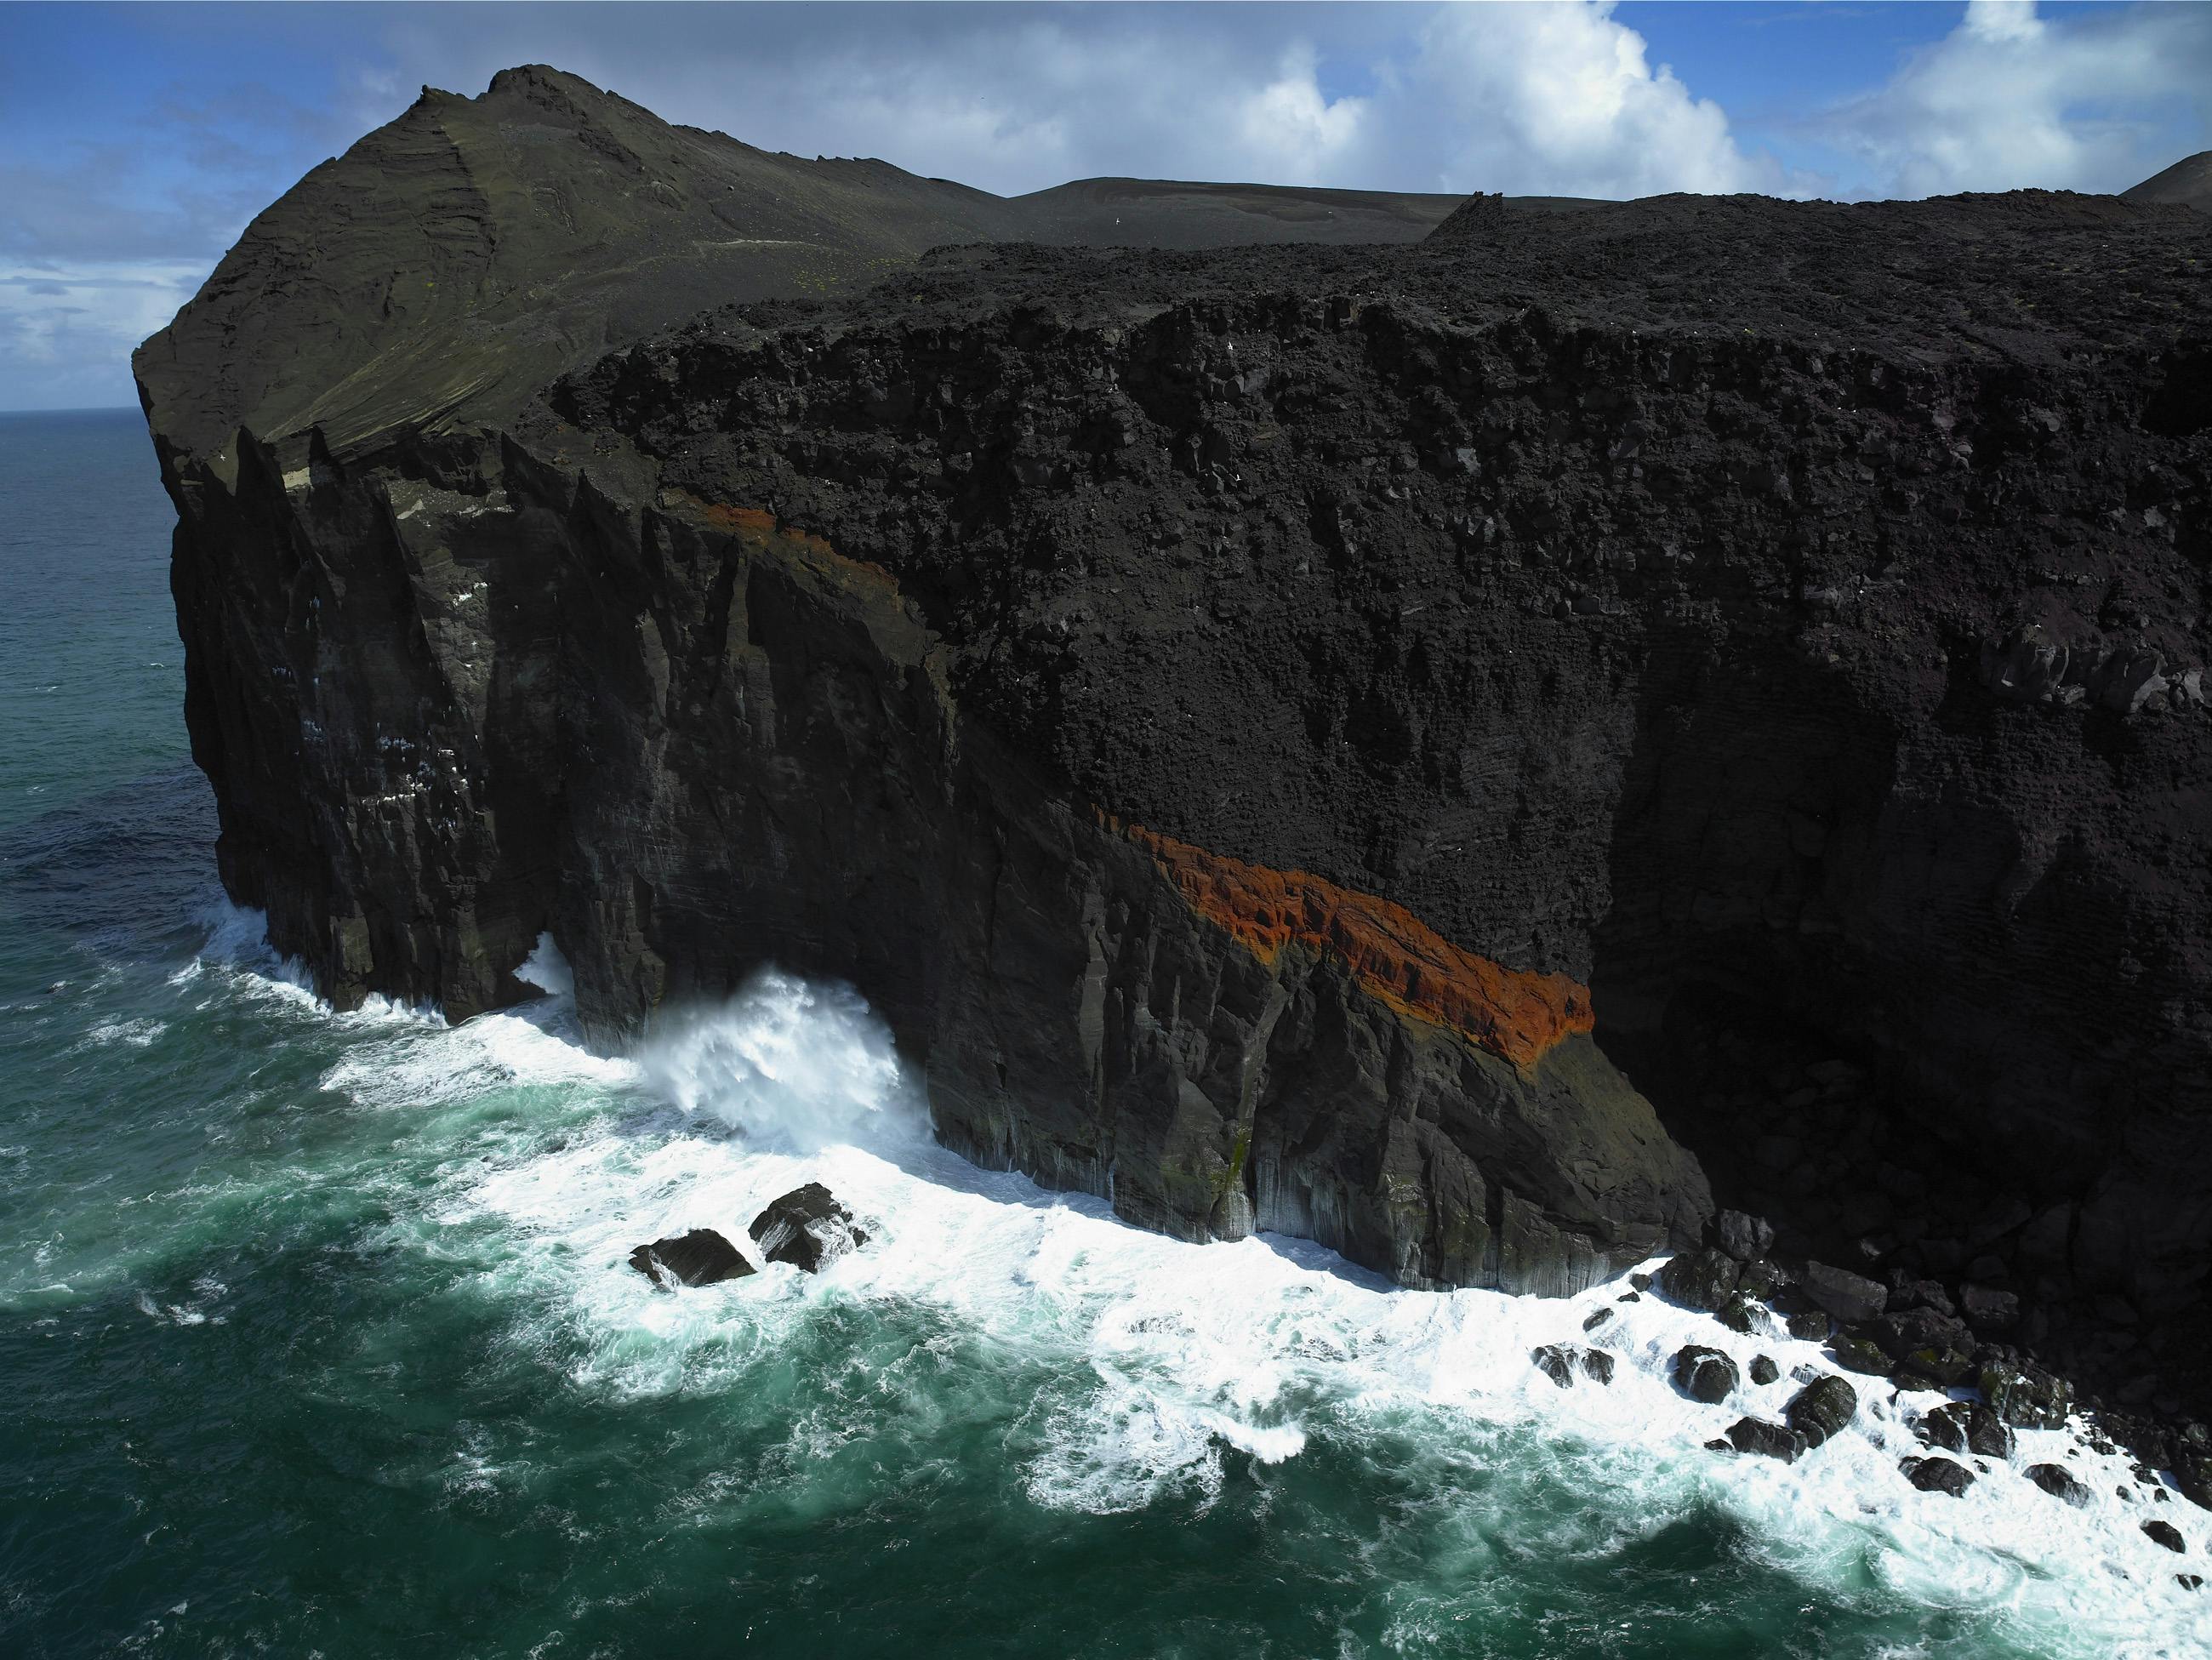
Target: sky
[(137, 142)]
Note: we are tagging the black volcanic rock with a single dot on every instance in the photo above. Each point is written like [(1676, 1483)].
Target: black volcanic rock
[(2059, 1482), (1822, 1408), (1699, 1280), (1771, 1440), (1966, 1426), (1269, 727), (1938, 1475), (806, 1227), (1850, 1298), (1705, 1374), (701, 1257), (2166, 1534)]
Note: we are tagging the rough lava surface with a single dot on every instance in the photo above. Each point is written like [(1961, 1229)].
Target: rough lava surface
[(1274, 725)]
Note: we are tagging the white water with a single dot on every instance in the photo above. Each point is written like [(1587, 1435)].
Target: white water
[(1161, 1356)]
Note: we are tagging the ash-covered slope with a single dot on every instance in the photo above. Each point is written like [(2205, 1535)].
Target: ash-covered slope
[(451, 262), (2187, 182), (1272, 727)]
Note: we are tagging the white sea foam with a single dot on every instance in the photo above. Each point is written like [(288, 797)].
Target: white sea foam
[(1157, 1361), (136, 1034)]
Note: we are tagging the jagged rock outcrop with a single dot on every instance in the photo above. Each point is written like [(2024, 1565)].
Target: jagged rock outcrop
[(1271, 729)]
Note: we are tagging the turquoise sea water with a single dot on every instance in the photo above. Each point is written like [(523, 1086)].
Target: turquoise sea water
[(316, 1335)]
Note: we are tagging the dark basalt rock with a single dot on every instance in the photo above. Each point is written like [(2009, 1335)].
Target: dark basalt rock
[(1855, 1352), (1705, 1374), (1763, 1369), (1770, 1440), (1926, 1344), (2192, 1473), (2026, 1396), (1746, 1238), (807, 1228), (1269, 727), (1595, 1318), (1555, 1363), (1745, 1314), (1812, 1325), (1559, 1363), (1966, 1426), (2059, 1482), (1822, 1408), (1701, 1279), (1850, 1298), (2166, 1534), (1992, 1313), (1937, 1476), (701, 1257)]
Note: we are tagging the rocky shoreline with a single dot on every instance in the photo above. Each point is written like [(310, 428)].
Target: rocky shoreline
[(1466, 751)]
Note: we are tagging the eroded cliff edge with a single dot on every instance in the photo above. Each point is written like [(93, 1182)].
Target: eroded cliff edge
[(1272, 728)]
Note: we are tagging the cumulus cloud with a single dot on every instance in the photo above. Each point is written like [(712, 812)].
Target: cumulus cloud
[(1559, 99), (1556, 96), (2093, 101)]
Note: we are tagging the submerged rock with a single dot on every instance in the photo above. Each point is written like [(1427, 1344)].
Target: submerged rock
[(2059, 1482), (1559, 1363), (1555, 1364), (701, 1257), (807, 1228), (1937, 1476), (1705, 1374)]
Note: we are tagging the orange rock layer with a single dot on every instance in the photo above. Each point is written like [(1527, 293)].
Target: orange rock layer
[(758, 525), (1395, 956)]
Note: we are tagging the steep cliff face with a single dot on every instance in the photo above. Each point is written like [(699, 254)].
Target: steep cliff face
[(1272, 728)]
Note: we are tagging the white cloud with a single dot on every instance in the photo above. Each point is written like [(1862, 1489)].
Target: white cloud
[(2009, 97), (1559, 99)]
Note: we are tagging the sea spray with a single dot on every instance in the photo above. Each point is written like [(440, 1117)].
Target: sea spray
[(997, 1351)]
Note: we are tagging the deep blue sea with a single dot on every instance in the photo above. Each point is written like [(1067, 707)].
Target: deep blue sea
[(317, 1336)]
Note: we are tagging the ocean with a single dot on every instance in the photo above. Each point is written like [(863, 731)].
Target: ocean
[(318, 1336)]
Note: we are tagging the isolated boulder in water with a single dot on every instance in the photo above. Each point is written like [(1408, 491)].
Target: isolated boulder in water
[(1705, 1374), (1821, 1408), (2059, 1482), (1771, 1440), (1937, 1476), (1553, 1362), (1763, 1370), (701, 1257), (2166, 1534), (807, 1228)]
